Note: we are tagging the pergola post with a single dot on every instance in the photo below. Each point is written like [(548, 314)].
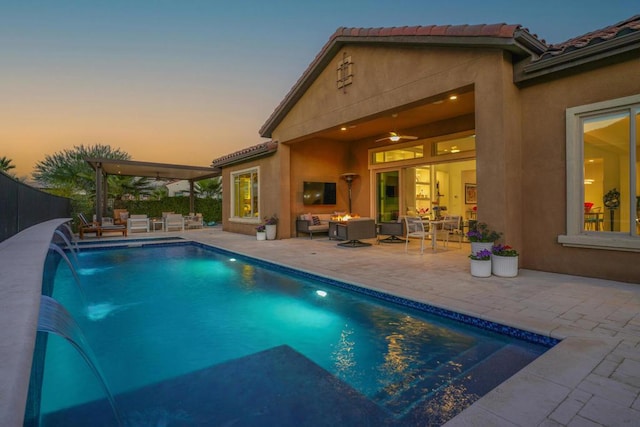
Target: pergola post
[(192, 202), (99, 191)]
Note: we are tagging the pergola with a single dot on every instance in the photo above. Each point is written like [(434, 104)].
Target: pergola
[(105, 167)]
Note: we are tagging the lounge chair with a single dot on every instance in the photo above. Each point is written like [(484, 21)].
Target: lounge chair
[(120, 216), (93, 227), (354, 230), (173, 221), (138, 222), (193, 221)]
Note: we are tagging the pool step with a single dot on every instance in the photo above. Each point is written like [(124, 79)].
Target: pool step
[(425, 382), (447, 401)]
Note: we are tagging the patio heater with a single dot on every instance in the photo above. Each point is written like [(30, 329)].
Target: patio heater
[(349, 177)]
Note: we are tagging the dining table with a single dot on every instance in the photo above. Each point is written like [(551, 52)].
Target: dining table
[(434, 225)]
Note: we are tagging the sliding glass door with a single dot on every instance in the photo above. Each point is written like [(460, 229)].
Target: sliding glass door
[(387, 195)]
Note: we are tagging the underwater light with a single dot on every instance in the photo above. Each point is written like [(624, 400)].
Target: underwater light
[(232, 259), (322, 293)]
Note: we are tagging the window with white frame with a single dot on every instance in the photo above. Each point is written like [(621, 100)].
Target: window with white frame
[(245, 194), (603, 182)]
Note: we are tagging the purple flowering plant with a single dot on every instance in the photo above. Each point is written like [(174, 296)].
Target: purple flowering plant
[(482, 233), (483, 255), (503, 250), (272, 220)]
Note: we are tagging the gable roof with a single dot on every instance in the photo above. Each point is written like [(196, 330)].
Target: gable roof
[(513, 38)]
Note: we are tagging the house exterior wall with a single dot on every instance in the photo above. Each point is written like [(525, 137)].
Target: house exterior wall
[(273, 190), (544, 172), (520, 143), (384, 79)]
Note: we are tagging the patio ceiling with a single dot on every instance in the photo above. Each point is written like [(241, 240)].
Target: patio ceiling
[(411, 116), (153, 170)]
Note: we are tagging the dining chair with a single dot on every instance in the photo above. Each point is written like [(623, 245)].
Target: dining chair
[(415, 229), (452, 226)]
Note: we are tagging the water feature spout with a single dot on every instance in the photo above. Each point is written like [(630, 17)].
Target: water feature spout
[(68, 243), (64, 256), (54, 318)]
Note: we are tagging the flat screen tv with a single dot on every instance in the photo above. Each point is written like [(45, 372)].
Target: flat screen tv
[(319, 193)]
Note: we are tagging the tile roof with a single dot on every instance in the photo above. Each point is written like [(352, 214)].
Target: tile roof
[(623, 28), (482, 30), (254, 151)]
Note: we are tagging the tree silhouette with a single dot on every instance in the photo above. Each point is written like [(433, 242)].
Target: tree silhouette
[(5, 164), (67, 172)]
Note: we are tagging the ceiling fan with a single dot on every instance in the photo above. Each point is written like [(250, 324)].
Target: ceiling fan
[(395, 137)]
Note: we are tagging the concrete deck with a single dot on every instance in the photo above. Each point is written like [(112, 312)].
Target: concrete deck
[(591, 378)]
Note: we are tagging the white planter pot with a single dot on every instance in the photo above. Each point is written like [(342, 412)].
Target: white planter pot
[(481, 268), (271, 231), (261, 235), (504, 266), (478, 246)]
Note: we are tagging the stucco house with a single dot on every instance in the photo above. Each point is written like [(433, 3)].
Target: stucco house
[(539, 141)]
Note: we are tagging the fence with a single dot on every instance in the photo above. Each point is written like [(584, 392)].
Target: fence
[(22, 206)]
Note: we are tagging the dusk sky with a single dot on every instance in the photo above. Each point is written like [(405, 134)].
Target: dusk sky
[(188, 81)]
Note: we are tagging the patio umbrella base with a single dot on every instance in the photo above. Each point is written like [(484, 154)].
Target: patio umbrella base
[(391, 239), (354, 244)]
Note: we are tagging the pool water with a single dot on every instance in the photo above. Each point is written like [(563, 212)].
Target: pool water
[(177, 327)]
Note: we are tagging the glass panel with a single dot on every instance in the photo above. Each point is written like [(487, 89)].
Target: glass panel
[(606, 173), (458, 145), (417, 186), (388, 197), (397, 154), (245, 203)]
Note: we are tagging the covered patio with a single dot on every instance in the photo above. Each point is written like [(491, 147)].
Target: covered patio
[(105, 167)]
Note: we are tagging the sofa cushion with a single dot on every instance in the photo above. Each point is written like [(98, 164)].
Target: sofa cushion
[(316, 220)]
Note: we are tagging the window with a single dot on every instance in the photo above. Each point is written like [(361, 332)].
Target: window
[(603, 182), (457, 145), (396, 154), (245, 194)]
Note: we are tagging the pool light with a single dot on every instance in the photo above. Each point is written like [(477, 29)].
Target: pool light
[(321, 293), (232, 259)]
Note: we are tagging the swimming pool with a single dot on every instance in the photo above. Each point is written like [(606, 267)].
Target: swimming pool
[(187, 335)]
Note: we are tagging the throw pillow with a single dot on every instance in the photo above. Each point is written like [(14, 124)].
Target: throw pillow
[(316, 220)]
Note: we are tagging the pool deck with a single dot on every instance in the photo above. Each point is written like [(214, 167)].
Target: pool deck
[(592, 378)]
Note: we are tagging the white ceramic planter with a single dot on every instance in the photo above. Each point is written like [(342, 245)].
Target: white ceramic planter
[(481, 268), (504, 266), (271, 231), (478, 246), (261, 235)]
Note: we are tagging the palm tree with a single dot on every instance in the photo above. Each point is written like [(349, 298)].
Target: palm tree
[(5, 164), (211, 187)]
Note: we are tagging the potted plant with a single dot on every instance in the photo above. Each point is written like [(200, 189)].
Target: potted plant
[(481, 263), (482, 237), (261, 233), (504, 261), (270, 224)]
